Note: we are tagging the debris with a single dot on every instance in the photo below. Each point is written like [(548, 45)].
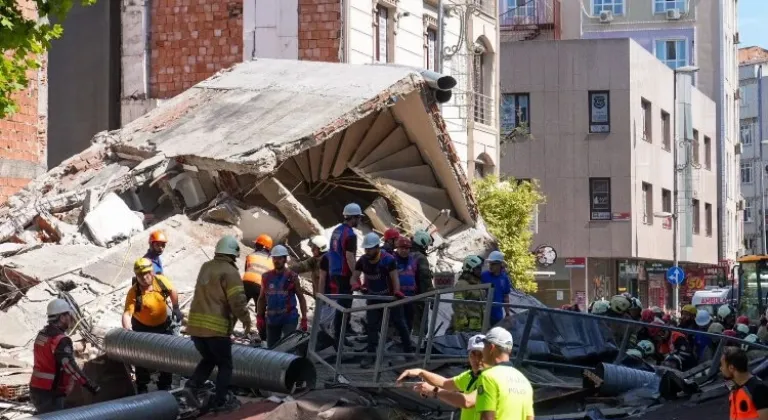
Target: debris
[(297, 215), (112, 221), (225, 212)]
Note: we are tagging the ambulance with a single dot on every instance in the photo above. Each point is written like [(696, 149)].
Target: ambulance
[(712, 298)]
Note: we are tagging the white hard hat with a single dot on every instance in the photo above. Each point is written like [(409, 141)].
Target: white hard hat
[(320, 242), (742, 328), (600, 307), (422, 238), (279, 251), (703, 318), (620, 304), (371, 240), (475, 343), (58, 307), (723, 311), (752, 338), (647, 347), (352, 209), (496, 257), (635, 352)]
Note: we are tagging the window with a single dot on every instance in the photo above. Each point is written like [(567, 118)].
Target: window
[(746, 172), (708, 219), (647, 120), (522, 8), (707, 153), (481, 80), (514, 110), (673, 52), (747, 211), (746, 134), (647, 203), (614, 6), (695, 146), (600, 198), (382, 36), (666, 127), (430, 51), (661, 6), (666, 201), (695, 209), (742, 100)]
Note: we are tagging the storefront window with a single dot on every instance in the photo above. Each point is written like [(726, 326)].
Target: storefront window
[(600, 279), (658, 293), (628, 278)]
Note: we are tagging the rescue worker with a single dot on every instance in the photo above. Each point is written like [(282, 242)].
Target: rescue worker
[(55, 369), (256, 264), (599, 307), (276, 311), (727, 316), (219, 301), (636, 309), (648, 350), (742, 330), (422, 240), (419, 243), (749, 395), (687, 317), (157, 243), (503, 392), (379, 271), (619, 305), (342, 256), (146, 310), (407, 275), (319, 246), (459, 391), (469, 317), (658, 312), (702, 344), (680, 348), (502, 286), (390, 238)]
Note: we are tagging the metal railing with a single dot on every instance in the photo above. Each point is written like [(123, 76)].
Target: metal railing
[(531, 13), (484, 109), (427, 332)]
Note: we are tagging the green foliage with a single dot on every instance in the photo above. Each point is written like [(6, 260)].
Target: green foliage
[(23, 40), (507, 208)]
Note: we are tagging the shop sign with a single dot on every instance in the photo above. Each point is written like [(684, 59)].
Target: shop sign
[(657, 268), (621, 217), (599, 111), (600, 198), (575, 262)]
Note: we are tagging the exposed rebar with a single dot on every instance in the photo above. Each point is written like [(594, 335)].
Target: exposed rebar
[(253, 367), (159, 405)]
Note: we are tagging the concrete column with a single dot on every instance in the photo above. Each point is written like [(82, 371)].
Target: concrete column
[(298, 217)]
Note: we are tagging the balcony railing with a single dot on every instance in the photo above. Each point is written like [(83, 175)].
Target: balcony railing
[(484, 109), (533, 15)]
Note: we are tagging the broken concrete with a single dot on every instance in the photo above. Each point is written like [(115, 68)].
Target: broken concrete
[(297, 215), (112, 220)]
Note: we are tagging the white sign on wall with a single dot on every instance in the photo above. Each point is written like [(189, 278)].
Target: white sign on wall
[(599, 111)]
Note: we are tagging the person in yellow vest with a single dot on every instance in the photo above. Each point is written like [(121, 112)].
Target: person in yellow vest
[(147, 310), (256, 264)]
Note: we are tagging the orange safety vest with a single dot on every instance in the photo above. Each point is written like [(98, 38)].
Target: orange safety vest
[(257, 264), (46, 375), (742, 406)]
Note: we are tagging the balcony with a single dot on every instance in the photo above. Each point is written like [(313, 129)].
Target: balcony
[(523, 20), (484, 109)]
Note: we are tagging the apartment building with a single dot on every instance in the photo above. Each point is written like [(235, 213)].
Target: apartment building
[(753, 112), (601, 150), (700, 33)]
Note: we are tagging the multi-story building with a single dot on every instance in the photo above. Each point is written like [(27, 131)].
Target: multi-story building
[(700, 33), (601, 114), (753, 67)]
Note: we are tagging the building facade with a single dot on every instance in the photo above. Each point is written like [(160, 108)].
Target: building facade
[(23, 135), (700, 33), (753, 69), (601, 150)]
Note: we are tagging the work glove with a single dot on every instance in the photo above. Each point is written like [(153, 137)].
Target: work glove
[(303, 326), (92, 388), (261, 324), (178, 316), (399, 295)]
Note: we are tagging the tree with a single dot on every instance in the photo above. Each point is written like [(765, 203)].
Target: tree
[(23, 38), (507, 208)]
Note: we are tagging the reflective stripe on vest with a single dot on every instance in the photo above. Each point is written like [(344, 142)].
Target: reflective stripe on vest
[(406, 273), (46, 374), (256, 265), (742, 406), (281, 296)]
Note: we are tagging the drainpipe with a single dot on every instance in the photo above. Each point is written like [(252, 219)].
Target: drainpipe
[(721, 187), (439, 40), (147, 26)]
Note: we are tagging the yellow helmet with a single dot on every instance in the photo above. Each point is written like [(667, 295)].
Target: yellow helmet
[(142, 265), (690, 309)]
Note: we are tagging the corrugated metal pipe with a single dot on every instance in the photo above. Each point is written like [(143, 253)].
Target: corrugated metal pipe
[(159, 405), (617, 379), (253, 368)]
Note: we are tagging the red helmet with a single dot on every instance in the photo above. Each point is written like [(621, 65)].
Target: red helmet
[(655, 331), (743, 320), (403, 242), (391, 233), (647, 315), (730, 333)]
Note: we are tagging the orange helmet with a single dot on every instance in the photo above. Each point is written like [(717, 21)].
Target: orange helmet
[(158, 236), (265, 241)]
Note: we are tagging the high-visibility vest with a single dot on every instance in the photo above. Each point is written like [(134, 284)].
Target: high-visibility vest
[(256, 265), (742, 406), (46, 375)]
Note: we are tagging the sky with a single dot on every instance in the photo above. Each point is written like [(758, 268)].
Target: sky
[(753, 16)]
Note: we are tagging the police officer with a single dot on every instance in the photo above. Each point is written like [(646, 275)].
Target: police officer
[(276, 310), (469, 317), (146, 310), (503, 392), (157, 243), (55, 368), (502, 286), (749, 395), (342, 255), (379, 271)]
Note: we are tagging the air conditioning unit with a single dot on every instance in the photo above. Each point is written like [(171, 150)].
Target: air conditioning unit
[(606, 16), (673, 14)]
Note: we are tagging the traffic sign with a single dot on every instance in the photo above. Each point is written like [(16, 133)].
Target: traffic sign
[(675, 275)]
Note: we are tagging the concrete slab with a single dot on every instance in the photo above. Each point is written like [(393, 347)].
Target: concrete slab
[(52, 260)]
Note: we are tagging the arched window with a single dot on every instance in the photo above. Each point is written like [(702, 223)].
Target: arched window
[(484, 166), (482, 65)]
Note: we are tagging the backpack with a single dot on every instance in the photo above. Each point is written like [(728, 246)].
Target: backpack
[(163, 291)]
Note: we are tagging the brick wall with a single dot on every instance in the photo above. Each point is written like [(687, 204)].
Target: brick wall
[(319, 30), (23, 135), (191, 40)]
